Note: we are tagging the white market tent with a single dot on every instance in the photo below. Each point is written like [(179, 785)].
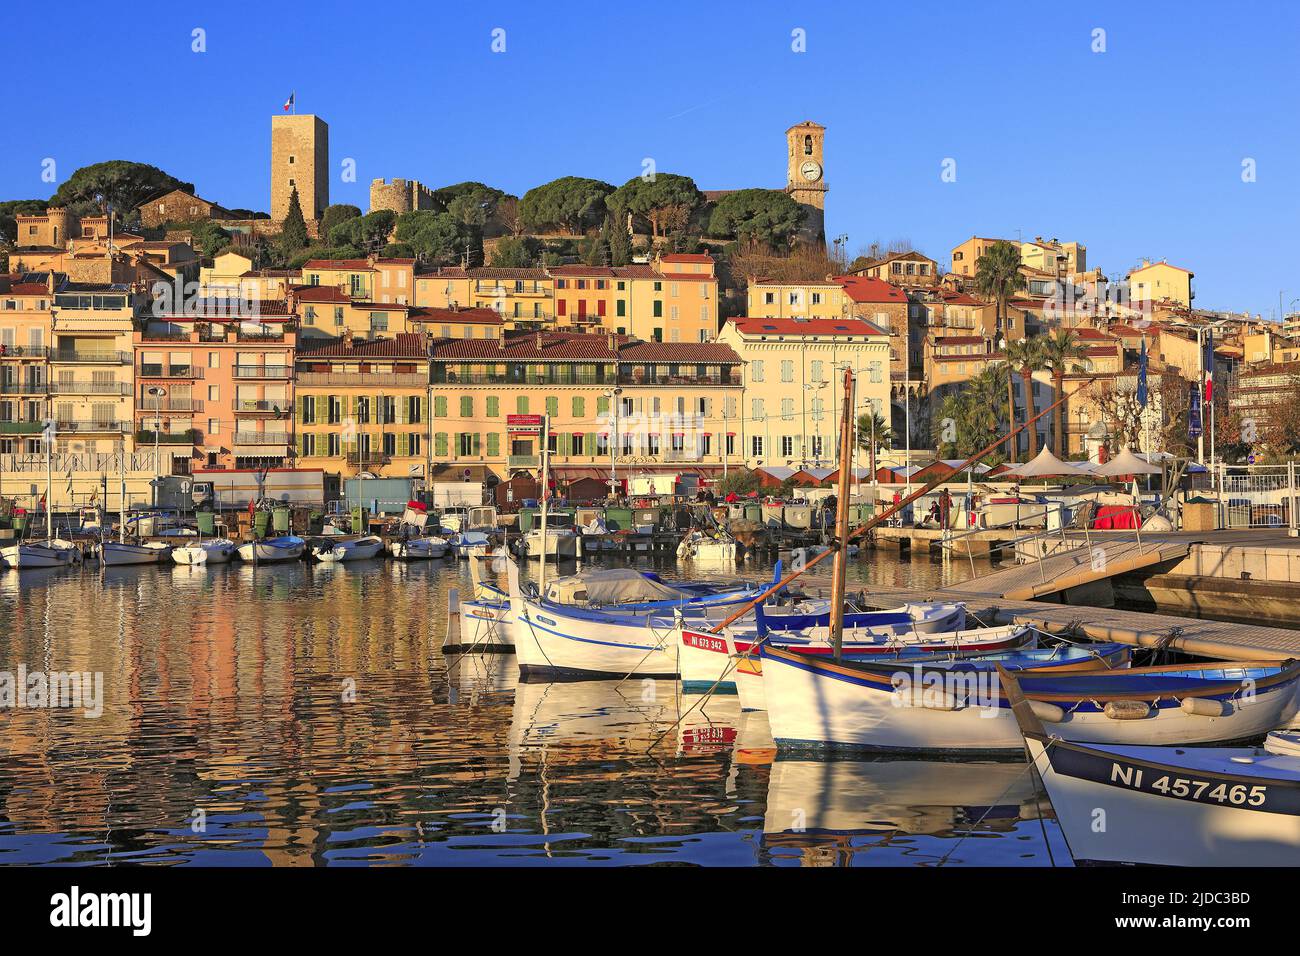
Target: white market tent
[(1046, 465), (1126, 463)]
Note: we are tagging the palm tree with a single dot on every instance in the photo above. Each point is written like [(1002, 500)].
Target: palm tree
[(1026, 357), (1061, 350), (998, 277), (873, 424)]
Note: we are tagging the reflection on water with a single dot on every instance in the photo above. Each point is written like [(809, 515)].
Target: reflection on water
[(302, 714)]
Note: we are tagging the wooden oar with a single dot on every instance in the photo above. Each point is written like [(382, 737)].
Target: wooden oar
[(889, 512)]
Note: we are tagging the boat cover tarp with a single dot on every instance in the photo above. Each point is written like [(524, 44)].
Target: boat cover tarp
[(619, 586)]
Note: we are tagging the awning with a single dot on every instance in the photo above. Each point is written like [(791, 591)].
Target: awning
[(449, 471)]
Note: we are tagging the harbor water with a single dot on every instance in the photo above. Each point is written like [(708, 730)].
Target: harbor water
[(301, 715)]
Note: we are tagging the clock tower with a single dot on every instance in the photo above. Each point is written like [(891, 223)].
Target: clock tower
[(805, 178)]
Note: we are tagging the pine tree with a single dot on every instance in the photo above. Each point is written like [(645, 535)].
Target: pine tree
[(620, 243), (293, 234)]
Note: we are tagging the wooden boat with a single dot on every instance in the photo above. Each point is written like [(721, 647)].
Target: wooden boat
[(286, 548), (1169, 806), (212, 551), (812, 702), (353, 549), (114, 553), (50, 553), (704, 655), (418, 549)]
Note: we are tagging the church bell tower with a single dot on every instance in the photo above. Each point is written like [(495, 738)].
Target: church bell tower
[(805, 177)]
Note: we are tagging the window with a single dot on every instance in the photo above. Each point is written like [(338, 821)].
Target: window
[(756, 446), (334, 445), (214, 426), (787, 446), (493, 406), (467, 406), (756, 370), (338, 315), (756, 409), (467, 445), (378, 321), (413, 443), (769, 298), (816, 298), (787, 409), (308, 444), (815, 372), (575, 445), (440, 406), (308, 410), (787, 370)]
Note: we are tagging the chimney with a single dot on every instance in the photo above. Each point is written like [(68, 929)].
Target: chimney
[(347, 339), (501, 341), (539, 339), (611, 341)]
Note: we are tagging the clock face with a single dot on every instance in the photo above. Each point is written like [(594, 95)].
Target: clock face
[(810, 171)]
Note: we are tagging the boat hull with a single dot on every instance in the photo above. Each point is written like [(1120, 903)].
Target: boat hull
[(1169, 806), (361, 549), (266, 552), (819, 704), (22, 556), (116, 554), (551, 646), (218, 551), (418, 549)]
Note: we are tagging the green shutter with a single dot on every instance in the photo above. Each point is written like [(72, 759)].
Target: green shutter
[(478, 445), (299, 403), (403, 444), (455, 444), (602, 405), (579, 407), (493, 444), (440, 444), (552, 406), (467, 406), (521, 404), (440, 406), (493, 406)]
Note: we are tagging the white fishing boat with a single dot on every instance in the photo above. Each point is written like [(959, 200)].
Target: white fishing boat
[(212, 551), (352, 549), (115, 553), (1169, 806), (573, 642), (702, 548), (462, 543), (49, 553), (418, 549), (560, 544), (818, 703), (285, 548)]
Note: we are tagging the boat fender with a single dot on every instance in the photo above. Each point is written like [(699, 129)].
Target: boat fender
[(1127, 709), (1048, 713), (1206, 707)]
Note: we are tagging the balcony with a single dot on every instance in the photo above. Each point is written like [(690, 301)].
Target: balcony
[(263, 409), (24, 388), (23, 352), (183, 406), (364, 459), (153, 370), (371, 379), (90, 388), (261, 438), (97, 357), (523, 461), (100, 425), (188, 437), (655, 379), (264, 371), (21, 428)]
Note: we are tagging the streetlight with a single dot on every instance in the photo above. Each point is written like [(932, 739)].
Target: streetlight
[(157, 392), (613, 396)]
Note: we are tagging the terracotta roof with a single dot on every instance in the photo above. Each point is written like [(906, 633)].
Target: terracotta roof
[(687, 257), (637, 271), (1152, 265), (683, 277), (958, 340), (319, 293), (232, 309), (442, 272), (862, 289), (581, 270), (493, 272), (402, 345), (686, 352), (531, 346), (395, 262), (353, 264), (750, 326), (480, 316)]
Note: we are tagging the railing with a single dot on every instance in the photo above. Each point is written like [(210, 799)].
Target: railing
[(1257, 496), (90, 388), (20, 351), (362, 458), (187, 437), (153, 370), (24, 388), (251, 407), (259, 336), (96, 358), (170, 405), (625, 379), (263, 371), (261, 438), (93, 426), (372, 379), (455, 378), (21, 428), (164, 336)]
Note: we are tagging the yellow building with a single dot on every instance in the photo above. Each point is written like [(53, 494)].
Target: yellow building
[(232, 276), (792, 397), (966, 256), (363, 406), (1154, 281), (1055, 257), (674, 299), (769, 299), (24, 369), (655, 406)]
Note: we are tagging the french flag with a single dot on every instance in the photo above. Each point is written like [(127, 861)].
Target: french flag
[(288, 104)]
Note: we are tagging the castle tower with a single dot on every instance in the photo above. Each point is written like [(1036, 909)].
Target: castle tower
[(300, 159), (805, 177)]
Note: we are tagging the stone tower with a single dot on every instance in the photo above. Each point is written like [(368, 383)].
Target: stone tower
[(805, 176), (300, 158)]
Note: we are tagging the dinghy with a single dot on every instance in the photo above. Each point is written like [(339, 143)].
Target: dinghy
[(212, 551), (50, 553), (286, 548), (354, 549), (814, 702), (418, 549), (1168, 806), (115, 553), (463, 542), (701, 548)]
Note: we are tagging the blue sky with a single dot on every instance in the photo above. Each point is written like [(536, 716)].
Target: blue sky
[(1135, 152)]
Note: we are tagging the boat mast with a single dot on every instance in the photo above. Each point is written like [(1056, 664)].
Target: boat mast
[(49, 480), (840, 572), (546, 489), (121, 512)]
